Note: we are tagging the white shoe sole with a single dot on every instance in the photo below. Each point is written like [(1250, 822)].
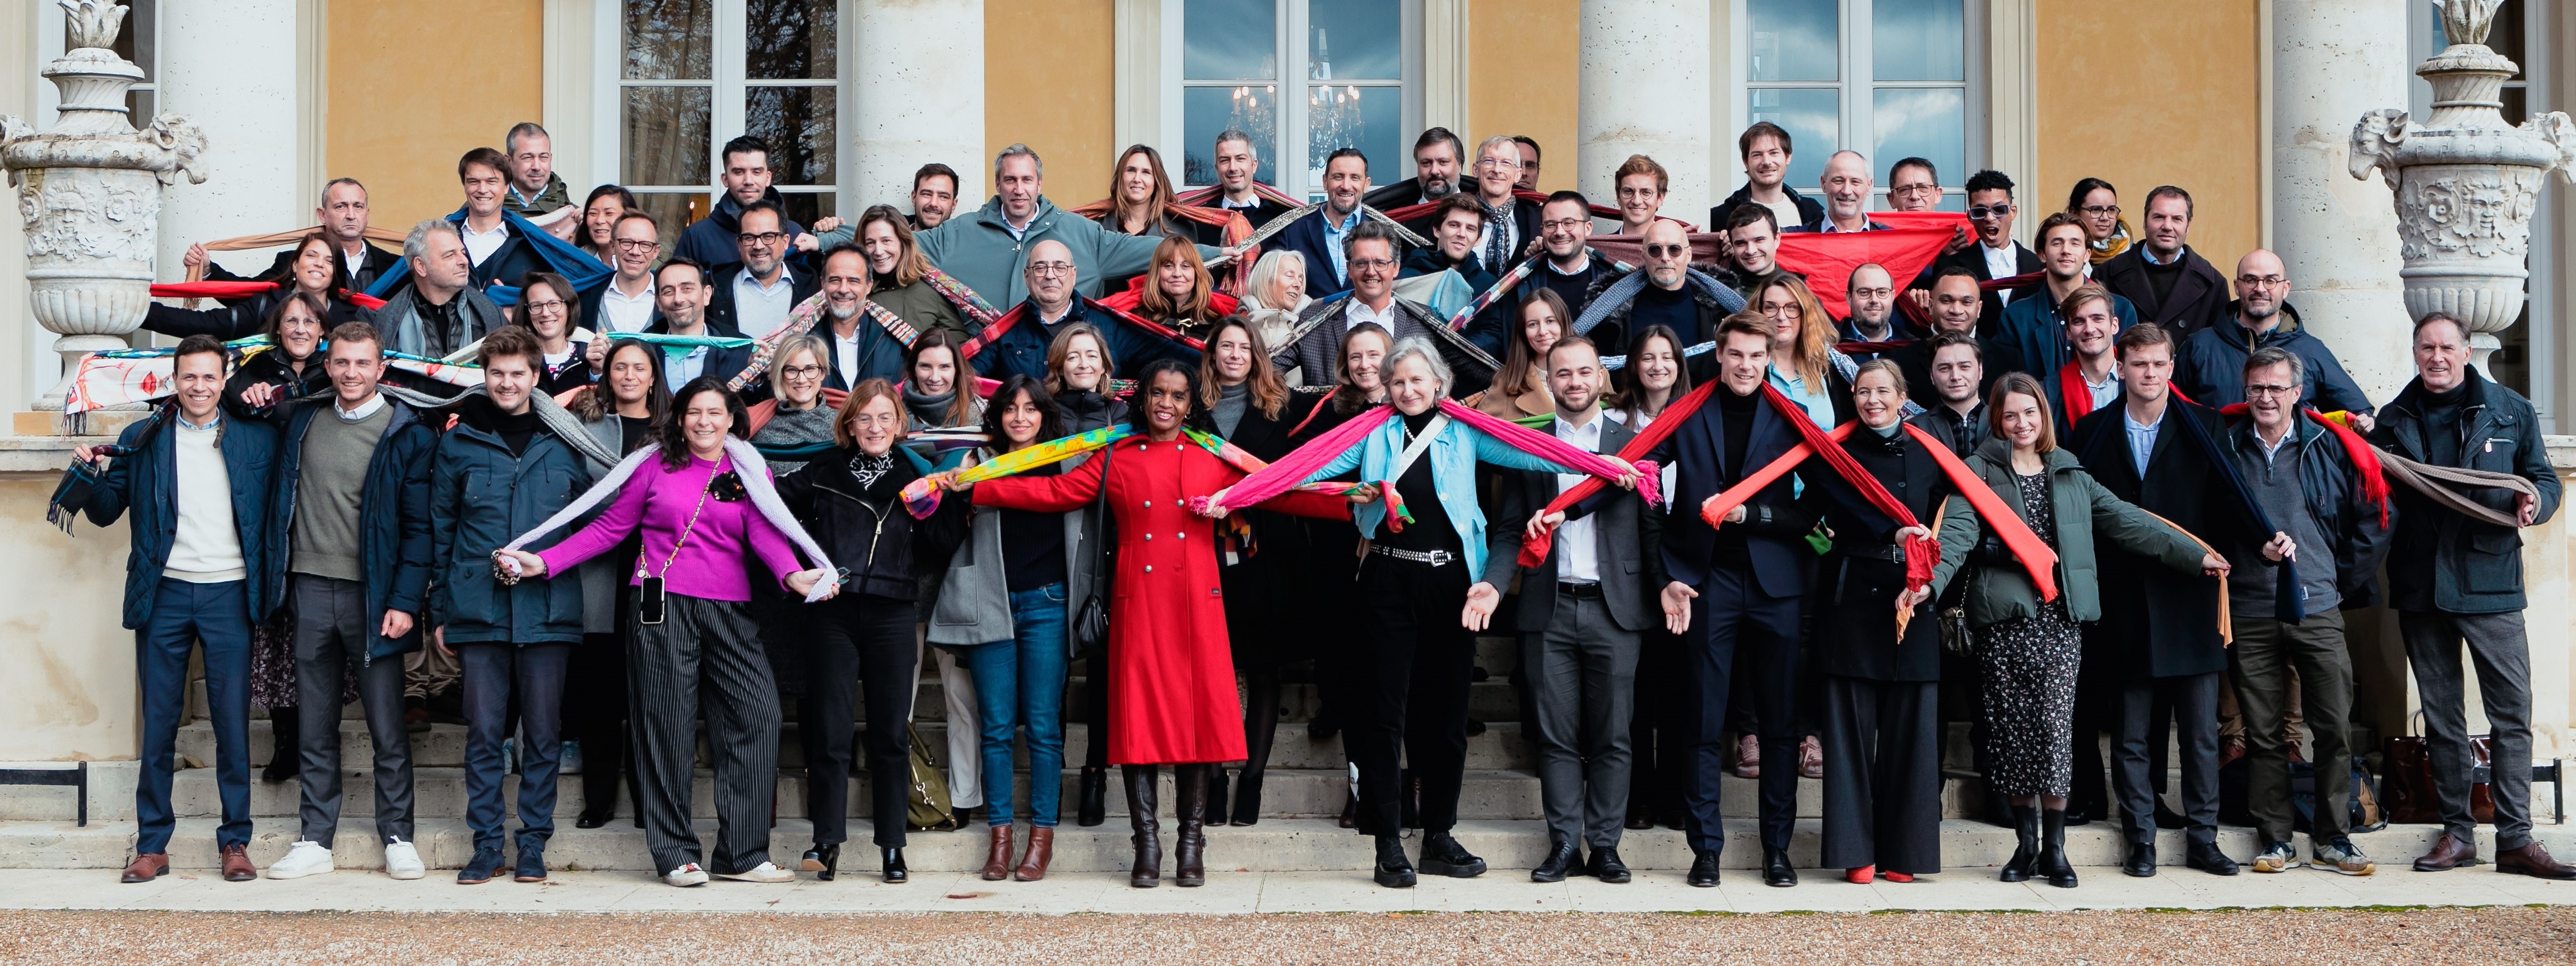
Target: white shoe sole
[(745, 877), (273, 873), (406, 874)]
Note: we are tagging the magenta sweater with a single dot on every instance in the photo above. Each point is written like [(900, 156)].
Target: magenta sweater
[(710, 566)]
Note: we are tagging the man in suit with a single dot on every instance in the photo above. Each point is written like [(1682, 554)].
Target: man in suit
[(1581, 612), (681, 292), (1511, 222), (1372, 251), (1845, 186), (2157, 651), (1995, 255), (1319, 236), (861, 348), (2171, 285), (1734, 594), (343, 216), (752, 297)]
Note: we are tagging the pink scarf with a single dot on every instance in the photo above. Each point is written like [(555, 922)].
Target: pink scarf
[(1294, 468)]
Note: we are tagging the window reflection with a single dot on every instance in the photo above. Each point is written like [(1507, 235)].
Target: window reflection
[(791, 39), (670, 39), (1354, 40), (1812, 116), (1229, 40), (665, 140), (1209, 111), (1920, 122), (1348, 115), (1794, 40), (1918, 40), (797, 124)]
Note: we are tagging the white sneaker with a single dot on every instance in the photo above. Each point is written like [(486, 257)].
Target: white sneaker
[(686, 876), (764, 872), (402, 860), (303, 859)]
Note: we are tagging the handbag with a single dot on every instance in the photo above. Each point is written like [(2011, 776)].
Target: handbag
[(1953, 616), (1090, 631), (2408, 796), (926, 802)]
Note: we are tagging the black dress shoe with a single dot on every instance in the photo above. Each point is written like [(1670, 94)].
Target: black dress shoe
[(1393, 870), (1703, 870), (825, 861), (1776, 870), (2206, 857), (1605, 866), (593, 819), (2142, 860), (895, 871), (1562, 857), (1442, 855), (1350, 810), (1640, 821)]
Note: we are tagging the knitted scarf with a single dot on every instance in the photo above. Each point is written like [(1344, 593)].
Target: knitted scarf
[(755, 481), (1626, 289), (1293, 469)]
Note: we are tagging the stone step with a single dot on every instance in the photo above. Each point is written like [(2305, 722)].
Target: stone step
[(1280, 845), (443, 745)]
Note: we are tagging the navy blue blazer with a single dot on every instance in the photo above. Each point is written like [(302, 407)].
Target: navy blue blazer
[(147, 482), (1305, 236), (1776, 520)]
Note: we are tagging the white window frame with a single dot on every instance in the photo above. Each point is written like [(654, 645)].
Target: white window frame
[(1290, 35), (1856, 125), (729, 88), (49, 40)]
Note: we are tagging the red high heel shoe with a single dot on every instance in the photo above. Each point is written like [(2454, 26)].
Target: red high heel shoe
[(1860, 876)]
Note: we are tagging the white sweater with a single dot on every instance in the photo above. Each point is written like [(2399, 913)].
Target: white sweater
[(207, 547)]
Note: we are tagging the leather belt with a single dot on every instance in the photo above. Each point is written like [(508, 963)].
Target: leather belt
[(1436, 558), (1580, 590), (1884, 551)]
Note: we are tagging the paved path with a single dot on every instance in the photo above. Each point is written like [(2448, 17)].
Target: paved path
[(2485, 937)]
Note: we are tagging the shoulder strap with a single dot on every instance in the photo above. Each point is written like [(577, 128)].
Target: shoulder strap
[(1414, 449)]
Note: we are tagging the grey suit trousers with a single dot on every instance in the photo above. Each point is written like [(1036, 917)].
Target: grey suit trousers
[(1582, 674), (331, 631), (2501, 654), (705, 658)]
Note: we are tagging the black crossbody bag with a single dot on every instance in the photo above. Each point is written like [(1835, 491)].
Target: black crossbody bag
[(1090, 630)]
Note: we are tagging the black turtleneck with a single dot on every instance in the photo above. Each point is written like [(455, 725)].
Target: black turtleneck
[(515, 431), (2442, 424), (1430, 529), (1737, 413), (2161, 275)]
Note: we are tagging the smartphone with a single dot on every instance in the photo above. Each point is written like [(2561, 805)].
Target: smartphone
[(649, 601)]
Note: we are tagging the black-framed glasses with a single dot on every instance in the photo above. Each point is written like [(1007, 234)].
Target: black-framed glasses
[(2257, 389), (638, 244), (763, 238), (1373, 264), (1564, 224), (2100, 209), (1988, 212)]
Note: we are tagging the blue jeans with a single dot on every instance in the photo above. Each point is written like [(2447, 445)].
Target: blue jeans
[(494, 672), (1021, 681), (184, 614)]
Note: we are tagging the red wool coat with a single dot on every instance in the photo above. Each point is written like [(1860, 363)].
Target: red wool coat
[(1171, 669)]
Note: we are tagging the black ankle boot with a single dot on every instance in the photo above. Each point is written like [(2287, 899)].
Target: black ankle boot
[(1247, 798), (1146, 870), (1092, 808), (1394, 871), (284, 758), (895, 870), (2026, 853), (2052, 850)]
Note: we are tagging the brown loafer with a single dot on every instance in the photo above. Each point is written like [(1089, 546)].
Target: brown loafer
[(1748, 757), (1811, 758), (2533, 861), (2449, 853), (237, 867), (147, 867), (1033, 865), (997, 862)]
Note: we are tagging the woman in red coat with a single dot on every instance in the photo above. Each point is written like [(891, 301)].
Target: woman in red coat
[(1171, 667)]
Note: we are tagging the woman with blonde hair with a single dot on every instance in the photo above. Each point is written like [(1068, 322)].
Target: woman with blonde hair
[(1275, 296), (1177, 291)]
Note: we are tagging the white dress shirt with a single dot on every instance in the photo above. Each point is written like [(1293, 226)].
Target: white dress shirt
[(760, 309), (620, 312), (480, 245), (1578, 553)]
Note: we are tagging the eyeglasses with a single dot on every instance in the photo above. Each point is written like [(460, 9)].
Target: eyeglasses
[(2261, 281), (2100, 209), (1564, 224), (1910, 190), (550, 305), (1872, 293), (2252, 389), (1988, 212), (764, 238), (1050, 269), (1492, 163), (877, 419), (801, 372), (638, 244), (1667, 251), (1371, 264)]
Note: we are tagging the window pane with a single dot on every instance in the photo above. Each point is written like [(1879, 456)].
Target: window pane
[(1209, 111), (1812, 118), (1918, 40), (803, 207), (135, 41), (1920, 122), (1229, 40), (138, 105), (670, 39), (1354, 40), (791, 40), (1356, 117), (666, 136), (796, 122), (673, 212), (1794, 40)]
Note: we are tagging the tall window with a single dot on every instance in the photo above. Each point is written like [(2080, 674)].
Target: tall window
[(695, 73), (1887, 78), (1343, 85)]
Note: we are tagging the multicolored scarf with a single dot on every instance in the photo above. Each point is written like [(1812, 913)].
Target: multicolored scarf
[(959, 295), (921, 497), (1509, 281), (1002, 326), (1292, 470), (121, 377)]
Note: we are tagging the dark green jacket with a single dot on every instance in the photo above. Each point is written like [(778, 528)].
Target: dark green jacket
[(1999, 589)]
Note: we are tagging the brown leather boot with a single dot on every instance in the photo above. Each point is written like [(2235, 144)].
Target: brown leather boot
[(237, 867), (1190, 802), (2534, 861), (1146, 870), (997, 862), (2448, 853), (1033, 865), (147, 867)]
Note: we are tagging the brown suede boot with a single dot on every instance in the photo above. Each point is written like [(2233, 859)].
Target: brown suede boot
[(1033, 865), (997, 862)]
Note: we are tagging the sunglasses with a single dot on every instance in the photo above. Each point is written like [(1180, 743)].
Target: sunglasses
[(1667, 251), (1988, 212)]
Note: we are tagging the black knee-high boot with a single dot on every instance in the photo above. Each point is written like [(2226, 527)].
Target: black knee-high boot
[(283, 759), (1190, 787), (1146, 871), (1260, 731)]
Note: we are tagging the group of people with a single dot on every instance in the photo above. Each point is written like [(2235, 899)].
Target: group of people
[(2018, 488)]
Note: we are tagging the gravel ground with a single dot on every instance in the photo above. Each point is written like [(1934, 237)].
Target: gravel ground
[(2483, 936)]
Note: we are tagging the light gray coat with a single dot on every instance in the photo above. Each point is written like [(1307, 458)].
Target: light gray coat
[(974, 604)]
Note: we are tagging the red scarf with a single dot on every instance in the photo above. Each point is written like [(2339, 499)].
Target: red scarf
[(2076, 392), (1534, 550), (1421, 209), (2365, 459), (1923, 317), (236, 290), (1002, 326)]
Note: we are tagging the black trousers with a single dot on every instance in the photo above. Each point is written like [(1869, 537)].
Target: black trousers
[(859, 640), (1882, 775), (1406, 677), (1738, 630), (595, 715), (2192, 702), (1656, 731)]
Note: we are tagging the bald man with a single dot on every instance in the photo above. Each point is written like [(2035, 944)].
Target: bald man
[(1845, 186), (2211, 366)]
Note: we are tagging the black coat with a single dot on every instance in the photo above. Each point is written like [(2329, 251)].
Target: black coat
[(866, 530), (2198, 300), (1857, 584), (270, 368), (2439, 559), (375, 265), (393, 518), (1628, 531), (1262, 210), (1776, 519), (241, 318), (1915, 360), (2157, 622), (1990, 319), (1264, 588)]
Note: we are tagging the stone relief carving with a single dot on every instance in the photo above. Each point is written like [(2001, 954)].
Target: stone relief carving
[(2374, 145)]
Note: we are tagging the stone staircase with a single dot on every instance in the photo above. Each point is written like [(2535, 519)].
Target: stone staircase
[(1499, 809)]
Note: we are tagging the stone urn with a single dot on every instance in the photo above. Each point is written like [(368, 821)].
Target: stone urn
[(2466, 183), (89, 193)]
